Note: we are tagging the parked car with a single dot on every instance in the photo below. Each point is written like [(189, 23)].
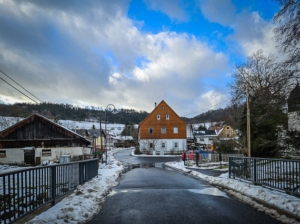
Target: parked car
[(189, 154)]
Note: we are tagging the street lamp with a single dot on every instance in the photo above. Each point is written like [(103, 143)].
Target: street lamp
[(114, 111)]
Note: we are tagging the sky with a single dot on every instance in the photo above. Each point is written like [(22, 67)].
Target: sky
[(130, 53), (87, 199)]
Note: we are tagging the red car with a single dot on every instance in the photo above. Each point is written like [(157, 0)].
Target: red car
[(189, 154)]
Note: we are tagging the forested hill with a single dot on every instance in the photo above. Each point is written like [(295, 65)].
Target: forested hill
[(124, 116)]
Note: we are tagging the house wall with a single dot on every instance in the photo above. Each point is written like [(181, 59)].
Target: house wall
[(16, 155), (205, 140), (169, 145), (294, 120), (227, 132)]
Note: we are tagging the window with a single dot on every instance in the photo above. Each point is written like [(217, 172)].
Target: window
[(151, 145), (158, 117), (46, 152), (175, 130), (150, 130), (163, 107), (202, 139), (163, 144), (2, 154), (163, 130), (175, 144), (227, 127), (167, 117)]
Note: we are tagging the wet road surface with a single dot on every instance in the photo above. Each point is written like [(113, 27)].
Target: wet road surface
[(156, 195)]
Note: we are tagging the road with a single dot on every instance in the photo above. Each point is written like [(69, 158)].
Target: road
[(156, 195)]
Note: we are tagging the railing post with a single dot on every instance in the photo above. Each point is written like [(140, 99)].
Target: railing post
[(229, 159), (254, 164), (53, 184)]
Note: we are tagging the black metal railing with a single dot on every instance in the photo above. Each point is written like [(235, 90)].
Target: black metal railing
[(23, 191), (275, 173)]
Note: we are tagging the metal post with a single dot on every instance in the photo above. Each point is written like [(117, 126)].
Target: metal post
[(114, 110), (53, 184), (248, 125)]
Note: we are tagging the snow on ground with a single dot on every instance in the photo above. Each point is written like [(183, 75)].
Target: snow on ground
[(87, 199), (263, 199)]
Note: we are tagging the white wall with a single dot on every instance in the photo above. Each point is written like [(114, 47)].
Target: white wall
[(16, 155), (294, 121), (57, 152), (169, 144)]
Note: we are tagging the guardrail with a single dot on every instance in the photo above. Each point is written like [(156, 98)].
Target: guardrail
[(23, 191), (275, 173)]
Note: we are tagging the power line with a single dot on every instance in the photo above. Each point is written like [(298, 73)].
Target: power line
[(20, 86), (207, 108), (19, 90), (27, 92)]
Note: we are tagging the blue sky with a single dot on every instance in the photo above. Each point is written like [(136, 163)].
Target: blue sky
[(131, 53)]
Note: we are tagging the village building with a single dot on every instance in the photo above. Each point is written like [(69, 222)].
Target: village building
[(224, 132), (163, 131), (36, 139)]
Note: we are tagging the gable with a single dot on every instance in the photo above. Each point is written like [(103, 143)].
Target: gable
[(228, 132), (163, 110), (163, 123), (36, 127)]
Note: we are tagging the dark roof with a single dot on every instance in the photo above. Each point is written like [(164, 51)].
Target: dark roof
[(205, 132)]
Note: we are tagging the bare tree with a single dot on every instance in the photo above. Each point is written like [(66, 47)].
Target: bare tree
[(263, 77), (149, 144), (267, 82), (288, 31)]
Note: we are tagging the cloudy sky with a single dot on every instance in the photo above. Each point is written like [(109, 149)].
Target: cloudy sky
[(130, 53)]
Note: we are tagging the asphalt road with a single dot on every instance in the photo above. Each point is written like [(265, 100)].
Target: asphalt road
[(155, 195)]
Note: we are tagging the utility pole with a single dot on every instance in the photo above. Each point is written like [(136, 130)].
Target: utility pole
[(248, 125), (100, 134)]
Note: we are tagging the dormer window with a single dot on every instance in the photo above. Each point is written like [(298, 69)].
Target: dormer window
[(158, 117)]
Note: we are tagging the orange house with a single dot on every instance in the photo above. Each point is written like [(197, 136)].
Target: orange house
[(162, 131)]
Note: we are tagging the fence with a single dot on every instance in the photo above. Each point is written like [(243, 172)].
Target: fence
[(25, 190), (274, 173), (209, 157)]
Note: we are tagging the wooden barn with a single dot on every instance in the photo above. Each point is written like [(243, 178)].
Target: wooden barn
[(37, 139)]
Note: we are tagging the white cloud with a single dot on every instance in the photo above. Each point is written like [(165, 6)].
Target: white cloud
[(253, 34), (172, 8), (211, 100), (88, 55), (222, 12)]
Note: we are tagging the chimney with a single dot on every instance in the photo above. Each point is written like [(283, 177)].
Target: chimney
[(154, 104)]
